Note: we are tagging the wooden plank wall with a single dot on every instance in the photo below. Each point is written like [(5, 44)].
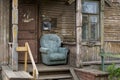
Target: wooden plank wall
[(111, 35), (65, 15), (112, 23), (90, 53), (66, 28), (112, 29), (4, 30)]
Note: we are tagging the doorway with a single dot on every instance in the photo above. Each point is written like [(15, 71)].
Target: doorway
[(28, 27)]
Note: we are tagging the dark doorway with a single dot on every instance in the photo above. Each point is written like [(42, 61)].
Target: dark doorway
[(27, 27)]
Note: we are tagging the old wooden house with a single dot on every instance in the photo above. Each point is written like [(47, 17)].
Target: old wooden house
[(86, 28)]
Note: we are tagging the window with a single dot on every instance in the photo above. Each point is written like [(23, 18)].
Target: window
[(90, 27)]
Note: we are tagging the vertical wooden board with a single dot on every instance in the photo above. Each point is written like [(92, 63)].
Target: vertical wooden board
[(78, 13), (14, 16), (1, 32), (15, 44), (72, 54), (14, 34), (113, 48), (102, 22), (15, 4), (90, 53), (4, 30), (78, 32)]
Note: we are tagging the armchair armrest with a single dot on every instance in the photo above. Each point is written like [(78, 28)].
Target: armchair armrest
[(44, 50), (63, 50)]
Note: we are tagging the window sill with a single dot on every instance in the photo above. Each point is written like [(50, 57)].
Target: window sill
[(91, 44), (69, 43)]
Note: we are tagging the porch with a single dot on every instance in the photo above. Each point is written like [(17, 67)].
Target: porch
[(59, 72), (66, 26)]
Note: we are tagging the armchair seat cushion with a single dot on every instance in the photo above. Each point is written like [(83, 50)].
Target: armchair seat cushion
[(57, 56)]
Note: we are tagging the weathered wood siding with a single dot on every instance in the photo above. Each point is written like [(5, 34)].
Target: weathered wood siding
[(4, 30), (111, 35), (65, 28), (90, 53), (65, 15), (112, 29)]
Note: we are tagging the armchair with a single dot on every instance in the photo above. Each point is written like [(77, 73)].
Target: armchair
[(51, 51)]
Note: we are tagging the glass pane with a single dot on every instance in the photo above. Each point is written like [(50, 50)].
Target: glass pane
[(94, 27), (85, 28), (90, 7), (93, 19)]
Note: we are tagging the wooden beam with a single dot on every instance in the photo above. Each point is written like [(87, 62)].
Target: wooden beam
[(109, 2), (21, 49), (78, 32), (72, 71)]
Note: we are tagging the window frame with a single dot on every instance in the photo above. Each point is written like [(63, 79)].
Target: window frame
[(88, 41)]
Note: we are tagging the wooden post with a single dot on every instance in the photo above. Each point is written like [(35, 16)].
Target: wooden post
[(102, 31), (78, 32), (34, 74), (26, 57), (15, 34)]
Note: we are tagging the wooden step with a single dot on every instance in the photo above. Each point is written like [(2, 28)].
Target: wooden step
[(61, 72), (8, 74), (45, 68), (55, 76)]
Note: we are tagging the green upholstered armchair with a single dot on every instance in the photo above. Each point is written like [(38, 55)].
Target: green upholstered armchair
[(51, 51)]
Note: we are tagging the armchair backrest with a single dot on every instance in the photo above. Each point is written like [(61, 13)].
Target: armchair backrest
[(51, 41)]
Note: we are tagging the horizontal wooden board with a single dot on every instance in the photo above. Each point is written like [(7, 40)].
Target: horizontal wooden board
[(9, 74), (4, 30), (56, 76)]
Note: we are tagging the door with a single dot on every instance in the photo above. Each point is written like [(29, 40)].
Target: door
[(27, 29)]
